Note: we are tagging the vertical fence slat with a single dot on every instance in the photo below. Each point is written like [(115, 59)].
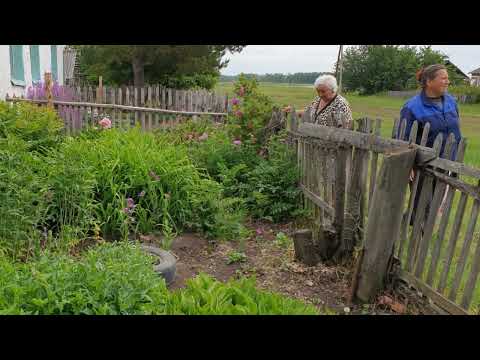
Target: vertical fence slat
[(425, 133), (413, 193), (434, 207), (453, 241), (384, 223), (374, 164), (136, 100), (120, 112), (424, 201), (465, 251), (472, 279), (149, 104), (113, 101), (403, 126), (445, 216)]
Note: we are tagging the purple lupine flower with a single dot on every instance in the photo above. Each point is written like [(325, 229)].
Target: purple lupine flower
[(235, 101), (126, 210), (237, 142)]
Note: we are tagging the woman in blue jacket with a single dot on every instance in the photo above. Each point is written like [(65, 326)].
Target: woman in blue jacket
[(435, 106)]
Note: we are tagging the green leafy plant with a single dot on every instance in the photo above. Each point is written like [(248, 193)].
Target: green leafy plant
[(39, 127), (118, 279), (236, 257), (283, 240), (206, 296)]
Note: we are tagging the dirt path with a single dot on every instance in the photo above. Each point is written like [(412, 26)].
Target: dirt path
[(276, 270)]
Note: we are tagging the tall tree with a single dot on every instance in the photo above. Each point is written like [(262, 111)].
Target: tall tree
[(374, 68), (122, 64)]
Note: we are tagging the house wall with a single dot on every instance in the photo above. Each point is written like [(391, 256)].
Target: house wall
[(6, 86), (475, 81)]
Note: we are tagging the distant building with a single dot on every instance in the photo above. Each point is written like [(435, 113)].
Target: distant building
[(475, 77)]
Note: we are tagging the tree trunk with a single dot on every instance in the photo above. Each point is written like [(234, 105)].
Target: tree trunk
[(138, 72)]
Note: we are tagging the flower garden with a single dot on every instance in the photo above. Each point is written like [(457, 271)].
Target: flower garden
[(74, 210)]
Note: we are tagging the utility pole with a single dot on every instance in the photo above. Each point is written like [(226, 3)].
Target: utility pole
[(339, 70)]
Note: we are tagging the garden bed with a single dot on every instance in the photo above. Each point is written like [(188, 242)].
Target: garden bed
[(275, 269)]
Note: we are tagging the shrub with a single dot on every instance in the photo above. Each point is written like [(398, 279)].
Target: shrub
[(251, 111), (118, 279), (473, 92), (111, 279), (273, 184), (22, 205), (39, 127), (143, 183)]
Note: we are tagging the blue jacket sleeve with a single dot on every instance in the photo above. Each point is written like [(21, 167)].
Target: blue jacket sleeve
[(407, 114)]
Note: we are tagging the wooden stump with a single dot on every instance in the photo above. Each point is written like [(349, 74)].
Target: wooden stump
[(305, 249)]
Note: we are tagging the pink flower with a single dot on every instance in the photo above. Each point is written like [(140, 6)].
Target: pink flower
[(235, 101), (130, 203), (105, 123), (237, 142), (241, 92), (259, 231), (238, 113)]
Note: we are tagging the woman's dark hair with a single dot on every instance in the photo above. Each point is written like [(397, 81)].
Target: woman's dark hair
[(428, 73)]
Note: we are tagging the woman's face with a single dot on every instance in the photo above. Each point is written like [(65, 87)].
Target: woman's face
[(439, 84), (325, 93)]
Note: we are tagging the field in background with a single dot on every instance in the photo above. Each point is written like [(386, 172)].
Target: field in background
[(377, 106)]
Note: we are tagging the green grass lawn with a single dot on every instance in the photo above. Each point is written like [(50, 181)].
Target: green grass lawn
[(388, 108)]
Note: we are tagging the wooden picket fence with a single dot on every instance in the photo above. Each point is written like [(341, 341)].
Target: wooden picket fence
[(360, 204), (154, 96), (149, 114)]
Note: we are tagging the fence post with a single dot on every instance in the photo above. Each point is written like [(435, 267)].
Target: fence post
[(384, 221), (100, 90), (48, 89)]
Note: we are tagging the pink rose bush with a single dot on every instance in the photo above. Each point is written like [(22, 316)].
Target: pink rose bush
[(105, 123)]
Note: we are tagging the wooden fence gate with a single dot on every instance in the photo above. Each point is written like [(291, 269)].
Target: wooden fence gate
[(357, 185)]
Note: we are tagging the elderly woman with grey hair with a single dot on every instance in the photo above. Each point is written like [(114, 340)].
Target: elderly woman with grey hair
[(329, 108)]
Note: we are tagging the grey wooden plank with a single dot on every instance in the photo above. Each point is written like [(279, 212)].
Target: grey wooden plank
[(413, 133), (384, 222), (149, 104), (426, 131), (425, 198), (369, 142), (465, 251), (403, 126), (472, 279), (396, 125), (374, 163), (340, 193), (452, 243), (437, 298), (434, 207)]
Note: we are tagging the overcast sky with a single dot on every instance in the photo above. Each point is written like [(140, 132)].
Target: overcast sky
[(262, 59)]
